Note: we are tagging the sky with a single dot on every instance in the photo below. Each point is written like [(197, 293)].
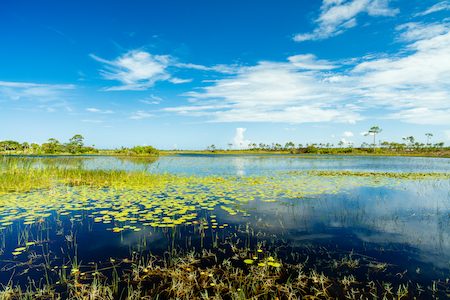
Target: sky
[(190, 74)]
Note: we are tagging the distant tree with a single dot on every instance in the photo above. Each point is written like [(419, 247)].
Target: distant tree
[(52, 146), (374, 130), (289, 145), (410, 140), (385, 145), (341, 143), (34, 146), (230, 145), (53, 141), (10, 145), (429, 136), (25, 146), (213, 147), (351, 145), (76, 144)]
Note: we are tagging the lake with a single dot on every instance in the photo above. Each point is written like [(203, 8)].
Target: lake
[(350, 233)]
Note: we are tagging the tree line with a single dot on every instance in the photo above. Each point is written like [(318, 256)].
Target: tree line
[(74, 146), (409, 145)]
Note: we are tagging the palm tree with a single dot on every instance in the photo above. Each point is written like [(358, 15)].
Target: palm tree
[(428, 135), (25, 146), (374, 130)]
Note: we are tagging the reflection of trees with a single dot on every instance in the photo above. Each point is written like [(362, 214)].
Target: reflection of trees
[(144, 163), (63, 162)]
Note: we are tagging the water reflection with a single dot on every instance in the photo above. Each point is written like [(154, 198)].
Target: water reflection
[(414, 215), (239, 164), (250, 164)]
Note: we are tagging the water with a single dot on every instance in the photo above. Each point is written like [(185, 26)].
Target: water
[(229, 164), (404, 224)]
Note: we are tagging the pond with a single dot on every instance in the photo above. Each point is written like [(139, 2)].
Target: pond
[(297, 222)]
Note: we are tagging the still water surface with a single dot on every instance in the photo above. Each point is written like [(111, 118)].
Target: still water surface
[(404, 223)]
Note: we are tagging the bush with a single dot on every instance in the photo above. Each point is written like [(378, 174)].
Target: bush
[(149, 150), (311, 149)]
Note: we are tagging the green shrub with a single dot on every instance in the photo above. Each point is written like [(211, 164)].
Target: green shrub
[(145, 150)]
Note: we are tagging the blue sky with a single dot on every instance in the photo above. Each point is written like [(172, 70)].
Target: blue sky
[(188, 74)]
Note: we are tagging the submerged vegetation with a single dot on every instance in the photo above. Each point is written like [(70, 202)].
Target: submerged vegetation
[(158, 235)]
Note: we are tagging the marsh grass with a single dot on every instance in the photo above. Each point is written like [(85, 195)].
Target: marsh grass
[(224, 272), (18, 174)]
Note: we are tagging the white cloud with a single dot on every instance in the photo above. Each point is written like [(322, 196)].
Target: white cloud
[(178, 80), (346, 143), (310, 62), (338, 15), (414, 31), (365, 133), (447, 134), (136, 70), (238, 141), (95, 110), (273, 92), (92, 121), (443, 5), (347, 134), (139, 70), (33, 91), (225, 69), (414, 81), (154, 100), (423, 116), (139, 115)]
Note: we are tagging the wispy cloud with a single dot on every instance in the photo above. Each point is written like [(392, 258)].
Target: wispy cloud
[(414, 31), (136, 70), (338, 15), (305, 89), (140, 70), (139, 115), (92, 121), (95, 110), (178, 80), (443, 5), (32, 91), (153, 100), (48, 97)]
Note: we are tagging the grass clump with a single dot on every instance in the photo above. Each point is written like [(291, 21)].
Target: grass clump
[(412, 175), (221, 273)]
